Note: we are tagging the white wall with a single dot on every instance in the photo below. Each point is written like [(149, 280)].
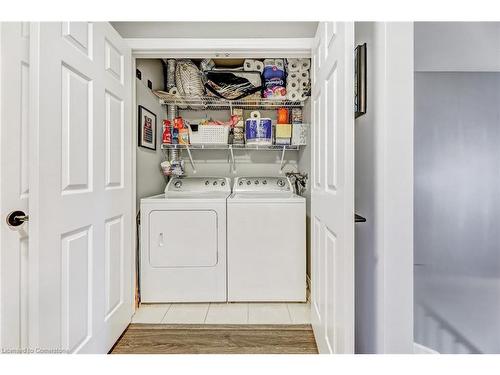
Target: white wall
[(150, 181), (216, 29), (457, 46), (384, 192)]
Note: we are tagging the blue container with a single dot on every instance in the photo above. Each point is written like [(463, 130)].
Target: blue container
[(259, 130)]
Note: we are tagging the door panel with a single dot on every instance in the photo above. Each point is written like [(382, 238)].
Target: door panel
[(332, 194), (14, 183), (81, 211)]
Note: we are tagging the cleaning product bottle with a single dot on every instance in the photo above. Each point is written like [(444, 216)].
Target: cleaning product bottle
[(167, 134)]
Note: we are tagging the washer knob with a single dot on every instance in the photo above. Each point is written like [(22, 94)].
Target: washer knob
[(207, 182), (240, 183), (215, 183), (256, 182), (223, 183), (178, 184), (264, 182), (281, 183), (249, 182)]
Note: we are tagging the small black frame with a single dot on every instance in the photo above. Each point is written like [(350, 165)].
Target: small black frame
[(360, 80)]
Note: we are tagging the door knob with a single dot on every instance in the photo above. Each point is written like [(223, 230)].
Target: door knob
[(16, 218)]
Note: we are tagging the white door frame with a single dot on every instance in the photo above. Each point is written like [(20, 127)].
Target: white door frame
[(151, 48), (384, 191)]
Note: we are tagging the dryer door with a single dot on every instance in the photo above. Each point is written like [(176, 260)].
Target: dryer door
[(181, 238)]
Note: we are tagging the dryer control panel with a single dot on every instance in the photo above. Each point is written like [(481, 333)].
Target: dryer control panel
[(199, 184), (262, 184)]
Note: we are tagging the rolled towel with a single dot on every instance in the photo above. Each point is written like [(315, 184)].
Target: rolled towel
[(259, 66), (293, 95), (279, 63), (269, 62), (293, 84), (303, 75), (302, 95), (249, 65), (293, 65), (304, 64), (175, 92)]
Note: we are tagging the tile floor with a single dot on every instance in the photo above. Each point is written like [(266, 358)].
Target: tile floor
[(224, 313)]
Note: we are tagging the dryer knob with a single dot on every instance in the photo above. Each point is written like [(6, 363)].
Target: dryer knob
[(178, 184), (207, 182), (223, 183), (240, 183), (264, 182), (281, 183), (215, 183), (256, 182), (249, 182)]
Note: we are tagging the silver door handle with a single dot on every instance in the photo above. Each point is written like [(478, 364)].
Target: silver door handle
[(16, 218)]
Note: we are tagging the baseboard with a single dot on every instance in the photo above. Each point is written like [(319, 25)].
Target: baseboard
[(421, 349)]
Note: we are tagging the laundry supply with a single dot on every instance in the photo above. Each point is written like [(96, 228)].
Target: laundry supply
[(297, 115), (282, 116), (283, 134), (299, 134), (274, 80), (258, 130), (298, 79), (167, 132), (250, 65), (184, 136)]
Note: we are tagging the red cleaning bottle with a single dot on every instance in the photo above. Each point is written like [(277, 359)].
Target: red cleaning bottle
[(167, 134)]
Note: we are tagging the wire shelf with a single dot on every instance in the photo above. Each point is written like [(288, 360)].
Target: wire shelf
[(231, 147), (213, 103)]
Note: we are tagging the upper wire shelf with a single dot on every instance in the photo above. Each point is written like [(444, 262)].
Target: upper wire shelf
[(209, 102)]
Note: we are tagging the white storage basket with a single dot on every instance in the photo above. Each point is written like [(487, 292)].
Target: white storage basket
[(209, 135)]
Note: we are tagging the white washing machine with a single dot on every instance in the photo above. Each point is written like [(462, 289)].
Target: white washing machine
[(183, 242), (266, 239)]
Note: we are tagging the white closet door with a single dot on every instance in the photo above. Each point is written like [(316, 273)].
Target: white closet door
[(14, 184), (81, 192), (332, 195)]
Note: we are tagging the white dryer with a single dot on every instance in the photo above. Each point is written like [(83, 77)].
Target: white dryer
[(266, 239), (183, 242)]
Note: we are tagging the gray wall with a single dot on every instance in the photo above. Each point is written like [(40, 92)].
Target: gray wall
[(457, 46), (457, 206), (150, 181), (457, 180)]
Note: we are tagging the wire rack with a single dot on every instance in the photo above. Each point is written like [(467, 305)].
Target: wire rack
[(231, 147), (213, 103)]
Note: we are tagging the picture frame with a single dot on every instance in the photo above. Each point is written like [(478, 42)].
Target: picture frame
[(147, 128), (360, 71)]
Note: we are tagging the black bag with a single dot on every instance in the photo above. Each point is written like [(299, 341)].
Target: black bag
[(233, 84)]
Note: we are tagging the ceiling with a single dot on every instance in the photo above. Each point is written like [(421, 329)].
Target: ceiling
[(216, 29)]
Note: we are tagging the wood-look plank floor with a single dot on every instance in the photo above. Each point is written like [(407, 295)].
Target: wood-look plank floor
[(216, 339)]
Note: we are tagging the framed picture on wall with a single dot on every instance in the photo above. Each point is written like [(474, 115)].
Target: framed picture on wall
[(147, 128), (360, 80)]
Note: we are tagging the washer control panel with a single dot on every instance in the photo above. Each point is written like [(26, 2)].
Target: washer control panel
[(198, 184), (263, 184)]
